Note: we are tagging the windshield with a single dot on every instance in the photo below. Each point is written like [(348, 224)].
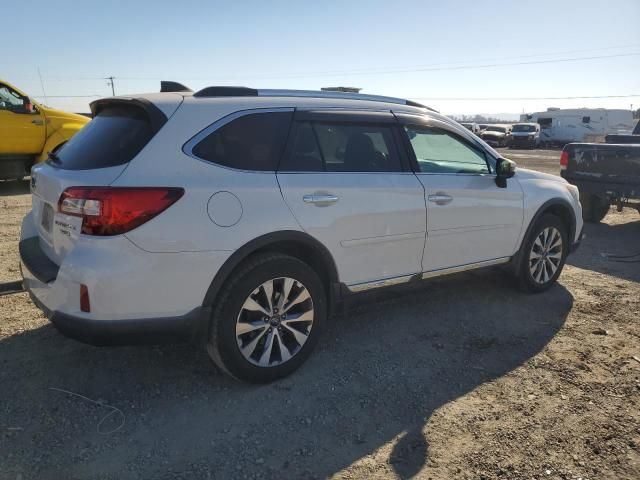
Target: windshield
[(496, 129), (524, 128)]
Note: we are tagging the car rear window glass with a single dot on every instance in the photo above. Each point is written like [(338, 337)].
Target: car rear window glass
[(251, 142), (343, 147), (113, 137)]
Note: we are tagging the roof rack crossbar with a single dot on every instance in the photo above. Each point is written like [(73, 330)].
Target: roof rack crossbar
[(244, 92)]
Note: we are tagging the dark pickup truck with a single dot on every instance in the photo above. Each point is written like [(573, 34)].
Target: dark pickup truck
[(606, 173)]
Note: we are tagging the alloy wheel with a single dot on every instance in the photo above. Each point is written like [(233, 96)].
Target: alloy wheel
[(546, 255), (274, 322)]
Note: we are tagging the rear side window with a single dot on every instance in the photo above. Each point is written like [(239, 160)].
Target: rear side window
[(251, 142), (114, 136), (341, 147)]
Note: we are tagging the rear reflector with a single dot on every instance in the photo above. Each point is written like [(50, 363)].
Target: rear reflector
[(564, 160), (109, 211), (85, 305)]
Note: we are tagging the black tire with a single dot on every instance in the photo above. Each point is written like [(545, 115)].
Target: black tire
[(523, 270), (594, 208), (222, 343)]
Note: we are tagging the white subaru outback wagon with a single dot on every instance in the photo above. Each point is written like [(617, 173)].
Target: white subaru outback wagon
[(242, 217)]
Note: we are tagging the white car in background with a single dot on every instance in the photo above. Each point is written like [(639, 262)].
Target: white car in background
[(240, 218), (525, 135)]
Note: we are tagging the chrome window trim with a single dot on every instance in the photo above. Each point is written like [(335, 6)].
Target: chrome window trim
[(455, 128), (188, 147), (362, 287)]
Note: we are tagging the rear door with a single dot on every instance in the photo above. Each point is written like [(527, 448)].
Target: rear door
[(95, 156), (344, 179), (469, 218)]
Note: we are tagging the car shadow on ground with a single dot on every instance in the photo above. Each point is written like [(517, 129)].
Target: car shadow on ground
[(13, 187), (603, 241), (383, 367)]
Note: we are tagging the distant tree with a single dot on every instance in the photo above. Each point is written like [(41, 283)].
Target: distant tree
[(479, 119), (636, 114)]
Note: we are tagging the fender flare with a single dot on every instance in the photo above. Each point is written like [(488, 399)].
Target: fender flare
[(260, 243)]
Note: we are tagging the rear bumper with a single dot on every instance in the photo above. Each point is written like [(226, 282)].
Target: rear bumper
[(139, 331), (52, 289)]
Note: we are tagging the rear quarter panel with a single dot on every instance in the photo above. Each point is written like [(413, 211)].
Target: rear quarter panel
[(187, 225)]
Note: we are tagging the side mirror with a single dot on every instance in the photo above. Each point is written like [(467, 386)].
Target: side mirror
[(504, 169)]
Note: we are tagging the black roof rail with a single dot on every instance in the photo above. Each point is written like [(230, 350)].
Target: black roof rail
[(223, 91), (169, 86), (226, 92)]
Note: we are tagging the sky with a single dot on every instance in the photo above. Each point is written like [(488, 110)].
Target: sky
[(459, 57)]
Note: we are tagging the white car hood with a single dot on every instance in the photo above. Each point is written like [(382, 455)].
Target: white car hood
[(526, 174)]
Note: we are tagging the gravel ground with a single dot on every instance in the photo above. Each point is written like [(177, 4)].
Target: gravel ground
[(461, 377)]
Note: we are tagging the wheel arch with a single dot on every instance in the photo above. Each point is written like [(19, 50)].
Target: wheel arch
[(291, 242), (560, 208)]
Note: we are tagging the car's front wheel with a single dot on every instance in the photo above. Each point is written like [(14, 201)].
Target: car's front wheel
[(268, 318), (543, 254)]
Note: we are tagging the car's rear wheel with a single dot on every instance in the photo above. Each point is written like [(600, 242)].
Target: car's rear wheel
[(594, 208), (543, 254), (268, 318)]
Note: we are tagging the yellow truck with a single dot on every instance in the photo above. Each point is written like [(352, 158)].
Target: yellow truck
[(29, 131)]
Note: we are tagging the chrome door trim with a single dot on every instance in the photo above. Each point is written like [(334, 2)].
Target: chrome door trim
[(386, 282), (464, 268)]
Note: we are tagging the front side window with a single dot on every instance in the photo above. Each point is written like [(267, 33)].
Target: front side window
[(438, 151), (251, 142), (342, 147)]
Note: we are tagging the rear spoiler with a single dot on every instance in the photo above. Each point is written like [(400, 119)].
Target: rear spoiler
[(156, 117), (169, 86)]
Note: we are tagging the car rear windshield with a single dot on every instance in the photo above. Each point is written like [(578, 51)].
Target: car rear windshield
[(114, 136)]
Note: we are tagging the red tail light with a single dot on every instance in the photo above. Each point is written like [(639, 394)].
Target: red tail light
[(115, 210), (564, 160)]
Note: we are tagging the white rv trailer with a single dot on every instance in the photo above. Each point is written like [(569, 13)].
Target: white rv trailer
[(559, 126)]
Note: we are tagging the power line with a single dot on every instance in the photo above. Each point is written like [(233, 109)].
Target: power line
[(524, 98), (411, 70), (68, 96), (406, 69)]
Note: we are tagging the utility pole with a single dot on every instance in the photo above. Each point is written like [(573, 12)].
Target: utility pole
[(110, 82)]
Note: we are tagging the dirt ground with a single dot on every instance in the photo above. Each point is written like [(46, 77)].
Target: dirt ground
[(461, 377)]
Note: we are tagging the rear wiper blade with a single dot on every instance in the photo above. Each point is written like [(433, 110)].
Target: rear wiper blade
[(54, 158)]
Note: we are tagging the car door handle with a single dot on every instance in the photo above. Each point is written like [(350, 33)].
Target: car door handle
[(320, 199), (37, 122), (440, 198)]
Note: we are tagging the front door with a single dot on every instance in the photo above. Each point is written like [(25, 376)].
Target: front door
[(22, 126), (344, 181), (469, 218)]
